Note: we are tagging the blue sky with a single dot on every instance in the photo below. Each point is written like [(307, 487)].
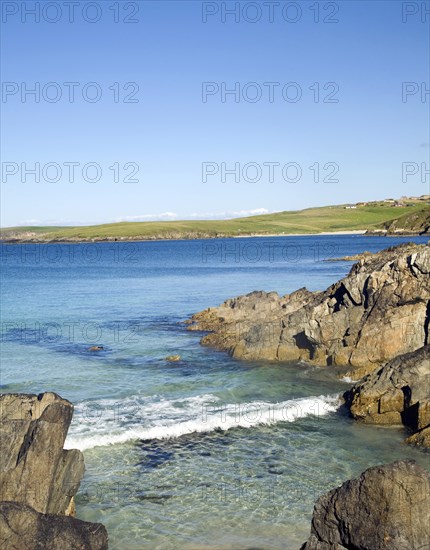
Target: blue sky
[(169, 53)]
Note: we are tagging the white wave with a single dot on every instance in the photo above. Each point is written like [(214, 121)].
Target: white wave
[(349, 380), (107, 422)]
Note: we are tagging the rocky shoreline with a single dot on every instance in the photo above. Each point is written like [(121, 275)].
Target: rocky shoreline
[(375, 321), (39, 478), (199, 236), (167, 237), (385, 508), (381, 309)]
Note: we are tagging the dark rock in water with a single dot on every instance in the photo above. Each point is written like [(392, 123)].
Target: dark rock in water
[(155, 499), (378, 311), (156, 458), (39, 477), (22, 527), (386, 508), (398, 393)]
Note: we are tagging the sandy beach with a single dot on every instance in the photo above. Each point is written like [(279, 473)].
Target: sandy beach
[(356, 232)]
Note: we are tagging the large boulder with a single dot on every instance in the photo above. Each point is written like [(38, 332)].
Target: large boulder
[(22, 527), (381, 309), (398, 393), (38, 478), (386, 508), (34, 467)]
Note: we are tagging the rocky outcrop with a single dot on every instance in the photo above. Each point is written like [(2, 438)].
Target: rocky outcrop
[(22, 527), (34, 467), (398, 393), (386, 508), (381, 309), (37, 476)]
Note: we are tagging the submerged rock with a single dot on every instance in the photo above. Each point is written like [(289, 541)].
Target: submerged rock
[(38, 476), (386, 508), (173, 358), (398, 393), (381, 309), (96, 348)]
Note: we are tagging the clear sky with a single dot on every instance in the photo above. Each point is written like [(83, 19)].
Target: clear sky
[(335, 103)]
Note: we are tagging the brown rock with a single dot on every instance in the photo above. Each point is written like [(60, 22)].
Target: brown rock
[(381, 309), (34, 467), (421, 438), (173, 358), (398, 393), (386, 508), (21, 527), (38, 478)]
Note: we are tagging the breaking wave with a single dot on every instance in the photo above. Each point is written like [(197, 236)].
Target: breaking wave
[(109, 422)]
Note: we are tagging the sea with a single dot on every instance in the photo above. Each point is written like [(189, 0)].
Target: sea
[(207, 452)]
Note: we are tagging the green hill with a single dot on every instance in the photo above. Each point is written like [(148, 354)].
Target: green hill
[(363, 216), (410, 223)]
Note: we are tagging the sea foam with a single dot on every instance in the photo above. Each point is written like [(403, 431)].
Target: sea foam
[(109, 422)]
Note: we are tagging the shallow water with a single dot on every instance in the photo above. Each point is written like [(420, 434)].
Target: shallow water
[(208, 452)]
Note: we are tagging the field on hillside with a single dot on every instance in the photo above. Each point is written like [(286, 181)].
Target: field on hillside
[(308, 221)]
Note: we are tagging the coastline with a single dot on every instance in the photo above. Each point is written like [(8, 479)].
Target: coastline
[(196, 238), (318, 460), (374, 218), (353, 232)]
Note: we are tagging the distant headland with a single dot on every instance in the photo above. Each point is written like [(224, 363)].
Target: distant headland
[(391, 217)]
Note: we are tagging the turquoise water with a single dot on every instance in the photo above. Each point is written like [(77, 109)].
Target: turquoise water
[(207, 452)]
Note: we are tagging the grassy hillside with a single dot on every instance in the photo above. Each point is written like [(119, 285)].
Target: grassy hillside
[(311, 220), (411, 222)]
